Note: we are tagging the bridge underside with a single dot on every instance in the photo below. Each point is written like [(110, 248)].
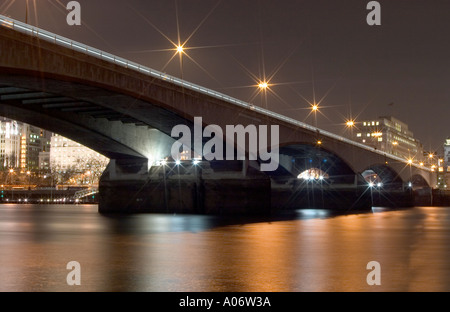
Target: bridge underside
[(92, 116)]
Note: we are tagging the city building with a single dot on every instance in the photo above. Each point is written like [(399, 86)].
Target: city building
[(33, 141), (447, 155), (392, 136), (74, 163), (44, 162), (10, 143), (444, 167), (20, 145)]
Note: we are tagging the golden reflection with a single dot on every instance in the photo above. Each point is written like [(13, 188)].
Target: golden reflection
[(264, 258), (315, 252)]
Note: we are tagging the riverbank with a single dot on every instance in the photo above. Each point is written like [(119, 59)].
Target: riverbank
[(45, 196)]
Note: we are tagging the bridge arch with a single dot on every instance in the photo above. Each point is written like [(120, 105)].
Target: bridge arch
[(299, 158), (418, 181), (384, 174)]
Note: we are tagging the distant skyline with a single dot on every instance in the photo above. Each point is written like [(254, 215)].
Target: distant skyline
[(313, 50)]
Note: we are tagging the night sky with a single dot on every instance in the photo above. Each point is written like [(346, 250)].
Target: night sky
[(320, 50)]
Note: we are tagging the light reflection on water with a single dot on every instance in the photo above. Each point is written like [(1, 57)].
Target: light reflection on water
[(313, 250)]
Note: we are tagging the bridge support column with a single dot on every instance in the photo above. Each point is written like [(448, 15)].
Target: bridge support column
[(120, 182), (218, 189)]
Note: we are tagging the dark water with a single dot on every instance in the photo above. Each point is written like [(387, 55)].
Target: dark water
[(313, 251)]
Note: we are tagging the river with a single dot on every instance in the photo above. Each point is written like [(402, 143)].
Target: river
[(313, 250)]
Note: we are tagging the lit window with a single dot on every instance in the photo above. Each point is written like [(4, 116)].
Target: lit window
[(368, 135), (380, 139), (359, 135), (378, 123), (365, 123), (373, 123)]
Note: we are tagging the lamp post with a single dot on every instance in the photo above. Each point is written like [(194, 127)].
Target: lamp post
[(371, 186), (315, 109), (410, 162), (11, 172), (350, 124), (180, 51), (29, 180), (51, 185)]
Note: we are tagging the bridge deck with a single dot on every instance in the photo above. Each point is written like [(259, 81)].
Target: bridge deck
[(65, 42)]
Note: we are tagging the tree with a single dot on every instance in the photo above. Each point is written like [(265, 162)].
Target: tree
[(93, 168), (84, 171)]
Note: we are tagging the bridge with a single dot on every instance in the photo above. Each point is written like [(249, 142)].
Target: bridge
[(127, 111)]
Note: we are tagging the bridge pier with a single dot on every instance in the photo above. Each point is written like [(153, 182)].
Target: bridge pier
[(121, 177), (229, 188), (226, 188), (219, 188)]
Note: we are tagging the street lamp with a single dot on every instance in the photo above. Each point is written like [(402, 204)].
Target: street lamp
[(315, 109), (29, 179), (11, 171), (410, 162), (180, 51), (350, 123), (263, 85)]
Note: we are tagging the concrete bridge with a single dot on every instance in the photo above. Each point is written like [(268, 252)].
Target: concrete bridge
[(127, 111)]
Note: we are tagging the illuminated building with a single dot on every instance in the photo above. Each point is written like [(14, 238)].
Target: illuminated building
[(392, 136), (10, 143), (444, 167), (447, 155), (33, 141), (20, 145), (66, 154), (44, 161)]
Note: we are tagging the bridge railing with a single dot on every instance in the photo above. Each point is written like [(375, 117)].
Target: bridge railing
[(65, 42)]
